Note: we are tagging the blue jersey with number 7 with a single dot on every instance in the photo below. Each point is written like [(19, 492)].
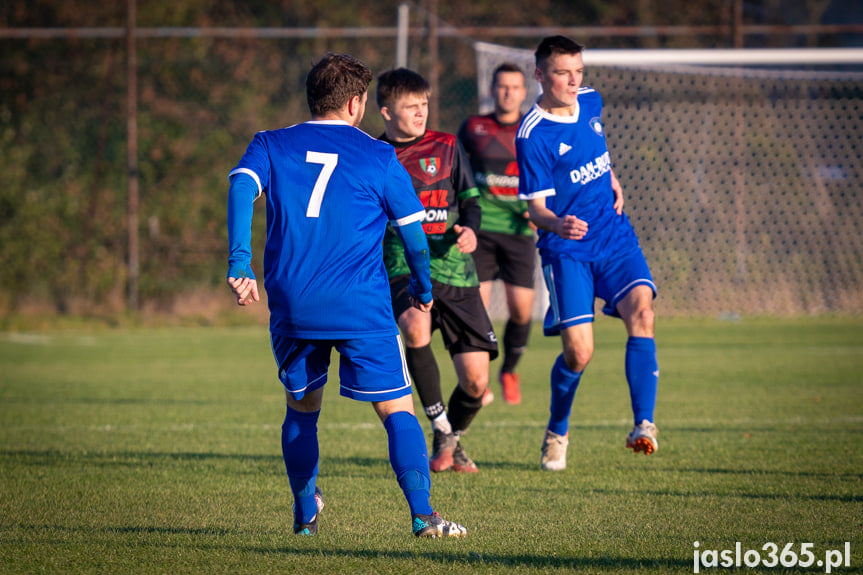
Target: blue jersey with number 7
[(330, 190)]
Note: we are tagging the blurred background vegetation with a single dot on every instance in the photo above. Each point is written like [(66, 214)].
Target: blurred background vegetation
[(200, 98)]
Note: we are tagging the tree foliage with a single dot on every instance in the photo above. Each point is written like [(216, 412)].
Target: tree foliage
[(200, 100)]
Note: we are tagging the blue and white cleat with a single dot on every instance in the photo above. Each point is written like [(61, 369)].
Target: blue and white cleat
[(435, 526), (310, 528)]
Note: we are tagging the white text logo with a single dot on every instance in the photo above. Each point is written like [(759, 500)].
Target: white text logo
[(591, 170)]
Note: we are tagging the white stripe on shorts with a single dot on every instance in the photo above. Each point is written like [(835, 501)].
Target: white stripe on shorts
[(552, 294), (405, 374)]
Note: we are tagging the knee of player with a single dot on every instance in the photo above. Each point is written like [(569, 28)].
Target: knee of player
[(643, 321), (577, 358), (474, 386), (520, 315), (415, 334)]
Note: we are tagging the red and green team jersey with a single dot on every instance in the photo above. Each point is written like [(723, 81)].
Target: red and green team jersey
[(490, 146), (441, 178)]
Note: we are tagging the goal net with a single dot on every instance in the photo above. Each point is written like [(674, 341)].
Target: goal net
[(742, 172)]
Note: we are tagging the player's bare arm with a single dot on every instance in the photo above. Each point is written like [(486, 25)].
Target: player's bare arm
[(245, 290), (466, 241), (618, 194), (424, 307), (568, 227)]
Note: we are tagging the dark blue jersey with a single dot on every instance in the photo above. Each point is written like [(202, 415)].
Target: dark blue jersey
[(330, 191), (565, 160)]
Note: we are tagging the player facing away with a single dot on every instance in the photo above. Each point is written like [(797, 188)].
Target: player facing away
[(506, 247), (587, 245), (330, 190), (443, 183)]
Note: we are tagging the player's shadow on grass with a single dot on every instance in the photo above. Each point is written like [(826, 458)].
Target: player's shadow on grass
[(134, 458), (129, 530), (485, 466), (757, 472), (740, 428), (467, 558), (733, 494), (248, 463), (455, 552)]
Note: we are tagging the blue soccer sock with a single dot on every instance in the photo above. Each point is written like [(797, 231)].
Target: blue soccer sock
[(642, 374), (564, 382), (300, 451), (409, 459)]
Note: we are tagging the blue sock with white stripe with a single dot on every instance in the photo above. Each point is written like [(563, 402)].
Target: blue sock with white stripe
[(409, 459), (564, 383), (300, 452), (642, 374)]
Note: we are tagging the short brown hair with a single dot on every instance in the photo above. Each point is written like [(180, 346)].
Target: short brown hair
[(505, 67), (553, 45), (400, 82), (334, 80)]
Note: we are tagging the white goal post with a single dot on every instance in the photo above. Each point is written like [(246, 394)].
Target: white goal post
[(489, 56), (742, 172)]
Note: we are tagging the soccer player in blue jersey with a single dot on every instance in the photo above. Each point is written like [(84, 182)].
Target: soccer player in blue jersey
[(587, 245), (330, 191)]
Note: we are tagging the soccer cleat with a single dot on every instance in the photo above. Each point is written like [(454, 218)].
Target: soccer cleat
[(511, 385), (461, 462), (487, 396), (435, 526), (643, 438), (554, 451), (310, 528), (443, 447)]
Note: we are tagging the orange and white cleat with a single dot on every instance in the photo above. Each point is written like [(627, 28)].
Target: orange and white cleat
[(443, 447), (461, 461), (642, 438), (511, 385)]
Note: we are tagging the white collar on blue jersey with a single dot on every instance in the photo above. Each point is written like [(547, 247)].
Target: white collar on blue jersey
[(329, 122), (554, 117)]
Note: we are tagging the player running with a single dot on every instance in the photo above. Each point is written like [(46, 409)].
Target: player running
[(587, 245), (442, 181), (506, 247), (330, 191)]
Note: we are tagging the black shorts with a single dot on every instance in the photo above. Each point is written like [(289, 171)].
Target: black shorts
[(508, 257), (458, 313)]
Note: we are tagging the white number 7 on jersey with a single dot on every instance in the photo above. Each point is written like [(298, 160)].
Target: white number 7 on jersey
[(329, 162)]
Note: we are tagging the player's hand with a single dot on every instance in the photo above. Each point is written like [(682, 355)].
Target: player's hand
[(618, 194), (530, 223), (571, 228), (466, 241), (425, 307), (246, 290)]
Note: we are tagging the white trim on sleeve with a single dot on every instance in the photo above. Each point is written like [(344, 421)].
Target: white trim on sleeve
[(254, 176), (539, 194), (415, 217)]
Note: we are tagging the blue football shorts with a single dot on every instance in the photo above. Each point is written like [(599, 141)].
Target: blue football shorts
[(573, 285), (370, 369)]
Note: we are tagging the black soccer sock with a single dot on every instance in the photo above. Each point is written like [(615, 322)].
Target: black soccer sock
[(514, 343), (426, 376), (462, 409)]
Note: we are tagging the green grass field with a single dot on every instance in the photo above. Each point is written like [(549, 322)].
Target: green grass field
[(158, 450)]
